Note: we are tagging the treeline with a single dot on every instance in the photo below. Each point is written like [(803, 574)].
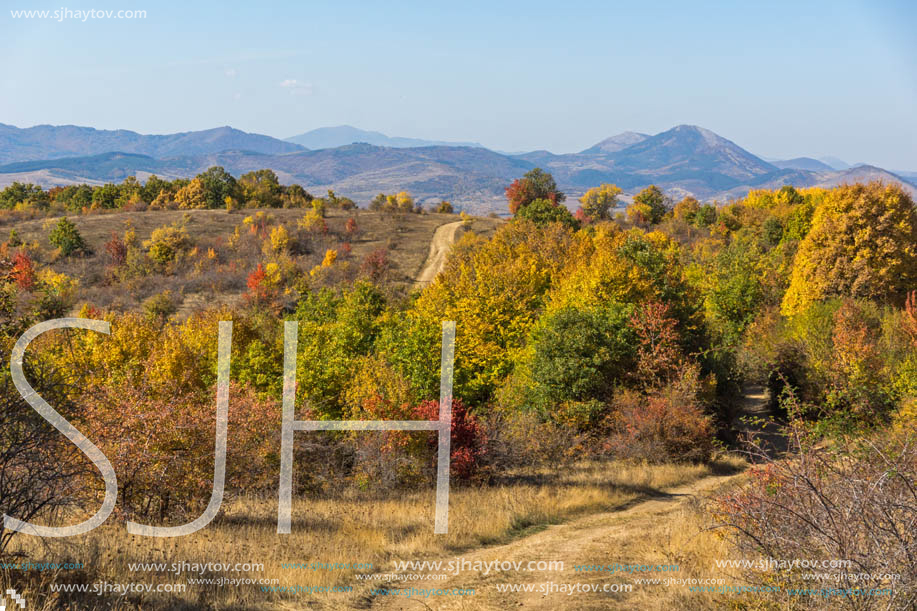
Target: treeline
[(215, 188)]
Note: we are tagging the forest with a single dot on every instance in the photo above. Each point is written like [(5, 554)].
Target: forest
[(598, 353)]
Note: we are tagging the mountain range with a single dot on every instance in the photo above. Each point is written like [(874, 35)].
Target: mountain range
[(342, 135), (685, 160)]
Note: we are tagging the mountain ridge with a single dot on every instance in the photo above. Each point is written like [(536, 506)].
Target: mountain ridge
[(42, 142), (684, 160), (342, 135)]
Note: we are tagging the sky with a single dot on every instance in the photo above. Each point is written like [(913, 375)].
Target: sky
[(781, 79)]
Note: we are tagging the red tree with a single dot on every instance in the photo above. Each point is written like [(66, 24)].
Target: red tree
[(23, 272)]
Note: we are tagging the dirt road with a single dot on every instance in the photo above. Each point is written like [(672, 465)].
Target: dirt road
[(602, 538), (624, 536), (443, 238)]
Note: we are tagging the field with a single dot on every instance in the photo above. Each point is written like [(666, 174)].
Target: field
[(501, 521), (406, 239)]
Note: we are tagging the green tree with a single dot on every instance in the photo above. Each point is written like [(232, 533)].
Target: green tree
[(106, 196), (579, 354), (542, 212), (218, 184), (67, 238), (261, 189)]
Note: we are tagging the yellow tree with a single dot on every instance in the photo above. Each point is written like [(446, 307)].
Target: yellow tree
[(494, 290), (863, 243), (598, 202), (192, 195)]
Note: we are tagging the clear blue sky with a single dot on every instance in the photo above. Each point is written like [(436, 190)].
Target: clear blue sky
[(780, 78)]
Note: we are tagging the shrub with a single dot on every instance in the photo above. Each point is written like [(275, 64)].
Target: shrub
[(260, 288), (160, 306), (659, 356), (14, 240), (848, 500), (669, 425), (116, 250), (375, 265), (167, 243), (444, 207), (23, 272), (542, 212), (467, 444), (161, 445), (578, 355), (280, 239), (67, 238), (37, 465)]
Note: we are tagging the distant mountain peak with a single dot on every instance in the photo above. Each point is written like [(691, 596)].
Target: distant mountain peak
[(616, 143), (342, 135)]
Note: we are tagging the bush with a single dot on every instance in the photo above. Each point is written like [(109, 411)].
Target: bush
[(67, 238), (578, 355), (543, 212), (467, 445), (846, 500), (668, 425), (160, 306), (167, 244), (161, 445)]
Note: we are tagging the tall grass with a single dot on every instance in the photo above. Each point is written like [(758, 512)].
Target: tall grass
[(347, 527)]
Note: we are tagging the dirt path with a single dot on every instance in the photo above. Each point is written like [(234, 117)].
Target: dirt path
[(443, 238), (599, 538), (602, 538), (754, 420)]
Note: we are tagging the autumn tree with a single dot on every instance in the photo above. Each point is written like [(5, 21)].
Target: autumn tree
[(494, 290), (191, 196), (598, 202), (649, 206), (686, 210), (863, 243), (535, 184), (261, 189)]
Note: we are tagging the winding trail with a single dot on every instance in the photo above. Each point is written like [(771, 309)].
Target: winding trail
[(443, 238), (606, 536)]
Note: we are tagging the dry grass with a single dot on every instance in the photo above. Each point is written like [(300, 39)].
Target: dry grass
[(406, 236), (350, 527)]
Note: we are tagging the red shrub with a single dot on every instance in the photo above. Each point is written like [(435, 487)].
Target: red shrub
[(259, 290), (23, 272), (668, 426), (116, 249), (467, 437), (375, 264), (659, 356)]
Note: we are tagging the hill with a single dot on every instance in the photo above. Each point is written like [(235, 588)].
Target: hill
[(342, 135), (52, 142), (803, 163), (685, 160)]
